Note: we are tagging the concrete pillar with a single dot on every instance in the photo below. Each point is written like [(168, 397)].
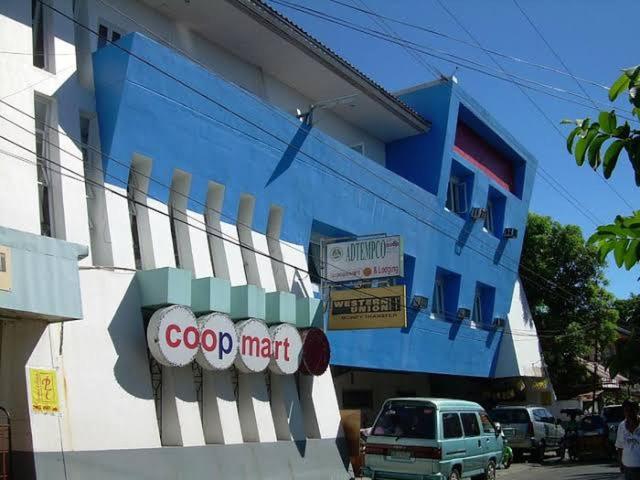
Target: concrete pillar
[(286, 409), (255, 412), (219, 408), (320, 406), (181, 424)]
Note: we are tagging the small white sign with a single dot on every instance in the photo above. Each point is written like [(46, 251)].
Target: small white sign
[(254, 349), (364, 259)]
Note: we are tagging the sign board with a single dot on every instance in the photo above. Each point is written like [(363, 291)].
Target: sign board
[(364, 259), (383, 307), (5, 268), (44, 390), (175, 338)]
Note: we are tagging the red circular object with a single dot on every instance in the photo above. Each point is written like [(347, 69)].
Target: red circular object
[(316, 352)]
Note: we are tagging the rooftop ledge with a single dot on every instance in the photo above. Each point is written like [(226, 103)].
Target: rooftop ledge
[(39, 277)]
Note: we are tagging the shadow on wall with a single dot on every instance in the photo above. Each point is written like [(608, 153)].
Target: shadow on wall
[(290, 153), (128, 336), (465, 233)]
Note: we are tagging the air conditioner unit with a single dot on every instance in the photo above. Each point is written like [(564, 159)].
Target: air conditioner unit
[(478, 213), (499, 322), (419, 302), (463, 313), (510, 233)]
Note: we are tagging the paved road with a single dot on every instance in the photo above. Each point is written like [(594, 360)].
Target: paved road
[(554, 470)]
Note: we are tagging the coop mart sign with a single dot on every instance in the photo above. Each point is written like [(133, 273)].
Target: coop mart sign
[(383, 307), (364, 259), (176, 338)]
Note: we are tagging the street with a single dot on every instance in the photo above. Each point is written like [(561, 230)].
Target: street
[(554, 470)]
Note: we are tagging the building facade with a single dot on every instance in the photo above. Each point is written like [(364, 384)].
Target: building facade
[(180, 153)]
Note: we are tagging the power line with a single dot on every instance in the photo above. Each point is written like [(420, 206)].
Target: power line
[(75, 176), (150, 64), (548, 179), (470, 64), (580, 86), (470, 44)]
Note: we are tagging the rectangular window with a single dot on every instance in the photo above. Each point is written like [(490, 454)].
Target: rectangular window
[(43, 149), (438, 297), (42, 42), (406, 419), (108, 33), (487, 425), (3, 262), (314, 260), (488, 220), (457, 196), (470, 424), (451, 427), (496, 204), (476, 316)]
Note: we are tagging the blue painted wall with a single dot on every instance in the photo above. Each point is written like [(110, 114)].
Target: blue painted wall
[(218, 132)]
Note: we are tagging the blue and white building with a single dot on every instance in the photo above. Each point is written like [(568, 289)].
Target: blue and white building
[(142, 135)]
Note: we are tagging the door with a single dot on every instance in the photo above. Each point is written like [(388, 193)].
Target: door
[(492, 445), (473, 462)]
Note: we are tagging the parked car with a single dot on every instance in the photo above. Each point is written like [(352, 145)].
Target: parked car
[(428, 438), (530, 429), (593, 439), (613, 415)]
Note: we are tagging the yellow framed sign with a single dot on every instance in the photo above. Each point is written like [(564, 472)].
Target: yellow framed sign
[(44, 390), (382, 307)]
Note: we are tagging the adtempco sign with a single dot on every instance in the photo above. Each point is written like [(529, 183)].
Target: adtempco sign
[(367, 258), (176, 337)]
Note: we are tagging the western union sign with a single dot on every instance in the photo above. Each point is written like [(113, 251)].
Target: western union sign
[(383, 307)]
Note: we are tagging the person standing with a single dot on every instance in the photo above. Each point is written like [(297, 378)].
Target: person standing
[(628, 441)]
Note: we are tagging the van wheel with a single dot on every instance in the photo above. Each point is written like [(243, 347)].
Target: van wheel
[(489, 473), (455, 474)]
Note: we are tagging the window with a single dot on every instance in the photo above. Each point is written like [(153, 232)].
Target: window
[(43, 149), (133, 218), (476, 316), (406, 419), (470, 424), (357, 399), (438, 297), (42, 43), (510, 415), (487, 426), (451, 427), (457, 196), (3, 262), (488, 220), (494, 221), (107, 33)]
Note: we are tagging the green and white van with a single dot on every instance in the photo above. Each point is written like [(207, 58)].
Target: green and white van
[(432, 438)]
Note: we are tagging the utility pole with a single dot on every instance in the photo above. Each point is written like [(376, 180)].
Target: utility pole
[(595, 366)]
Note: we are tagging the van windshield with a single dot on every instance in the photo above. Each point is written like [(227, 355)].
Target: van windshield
[(406, 419), (510, 415)]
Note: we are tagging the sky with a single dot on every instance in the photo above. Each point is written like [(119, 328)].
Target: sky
[(594, 39)]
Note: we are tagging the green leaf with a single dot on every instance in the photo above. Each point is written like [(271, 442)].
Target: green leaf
[(611, 157), (605, 248), (622, 131), (570, 139), (568, 121), (583, 144), (620, 250), (594, 150), (607, 121), (631, 258), (621, 84)]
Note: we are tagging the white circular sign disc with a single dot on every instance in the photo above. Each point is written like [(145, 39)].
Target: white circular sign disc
[(254, 346), (286, 349), (173, 336), (218, 342)]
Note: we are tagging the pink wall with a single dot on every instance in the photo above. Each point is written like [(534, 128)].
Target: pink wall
[(476, 150)]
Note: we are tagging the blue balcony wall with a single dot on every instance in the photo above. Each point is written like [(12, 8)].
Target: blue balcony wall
[(218, 132)]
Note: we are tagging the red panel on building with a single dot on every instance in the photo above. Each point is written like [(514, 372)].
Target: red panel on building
[(477, 151)]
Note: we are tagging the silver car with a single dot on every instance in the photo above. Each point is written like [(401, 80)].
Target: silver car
[(530, 429)]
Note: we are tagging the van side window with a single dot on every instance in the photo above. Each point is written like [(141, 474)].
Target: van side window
[(470, 424), (451, 427), (487, 426)]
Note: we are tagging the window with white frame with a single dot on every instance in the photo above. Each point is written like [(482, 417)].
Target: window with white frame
[(43, 149), (41, 36), (457, 195), (488, 219), (438, 297), (108, 33)]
